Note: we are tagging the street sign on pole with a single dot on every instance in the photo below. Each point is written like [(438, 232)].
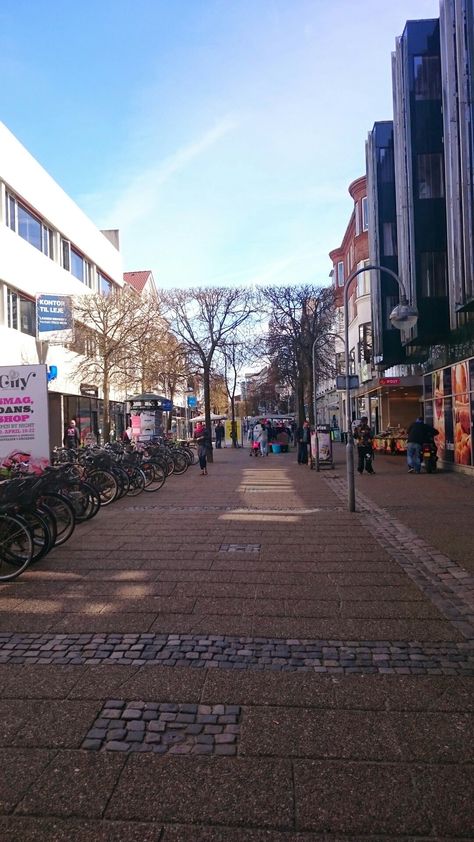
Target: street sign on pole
[(192, 401)]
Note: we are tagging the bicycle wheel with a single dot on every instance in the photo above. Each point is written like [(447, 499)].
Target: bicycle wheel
[(106, 484), (181, 464), (63, 512), (137, 482), (40, 532), (158, 479), (16, 547)]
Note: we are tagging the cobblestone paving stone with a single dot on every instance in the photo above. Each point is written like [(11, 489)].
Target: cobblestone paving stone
[(448, 585), (165, 728), (229, 652)]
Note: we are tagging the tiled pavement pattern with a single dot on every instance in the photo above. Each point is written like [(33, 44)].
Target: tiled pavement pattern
[(322, 754), (448, 585), (165, 728), (226, 652)]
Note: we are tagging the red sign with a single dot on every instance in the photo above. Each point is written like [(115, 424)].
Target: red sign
[(390, 381)]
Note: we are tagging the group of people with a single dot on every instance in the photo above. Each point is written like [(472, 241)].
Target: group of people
[(266, 431), (419, 433)]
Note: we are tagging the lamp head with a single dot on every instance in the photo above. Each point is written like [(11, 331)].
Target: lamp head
[(404, 316)]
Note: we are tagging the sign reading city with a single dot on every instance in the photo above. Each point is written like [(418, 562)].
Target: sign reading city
[(24, 433), (54, 319)]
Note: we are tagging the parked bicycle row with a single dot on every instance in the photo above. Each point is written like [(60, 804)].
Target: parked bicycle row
[(38, 513)]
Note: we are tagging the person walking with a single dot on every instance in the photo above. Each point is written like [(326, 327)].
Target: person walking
[(220, 432), (263, 440), (203, 441), (363, 437), (72, 438), (303, 440), (419, 433)]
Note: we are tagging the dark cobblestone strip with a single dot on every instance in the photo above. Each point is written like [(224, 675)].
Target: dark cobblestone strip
[(227, 652), (165, 728), (446, 584), (235, 510)]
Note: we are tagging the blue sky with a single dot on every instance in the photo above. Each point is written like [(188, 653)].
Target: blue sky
[(219, 136)]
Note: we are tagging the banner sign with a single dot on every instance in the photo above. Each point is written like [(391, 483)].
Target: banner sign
[(24, 430), (54, 319)]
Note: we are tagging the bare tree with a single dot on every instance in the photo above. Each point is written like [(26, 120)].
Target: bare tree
[(109, 331), (301, 317), (203, 319)]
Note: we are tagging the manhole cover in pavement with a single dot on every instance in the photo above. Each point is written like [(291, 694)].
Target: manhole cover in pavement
[(240, 548), (165, 728)]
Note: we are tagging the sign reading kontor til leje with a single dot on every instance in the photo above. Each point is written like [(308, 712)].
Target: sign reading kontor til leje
[(54, 319), (24, 431)]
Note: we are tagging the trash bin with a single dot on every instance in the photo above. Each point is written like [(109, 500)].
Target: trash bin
[(276, 448)]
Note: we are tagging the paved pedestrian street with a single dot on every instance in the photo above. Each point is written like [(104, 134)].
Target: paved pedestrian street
[(239, 658)]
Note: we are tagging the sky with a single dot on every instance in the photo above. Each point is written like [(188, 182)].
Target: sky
[(219, 136)]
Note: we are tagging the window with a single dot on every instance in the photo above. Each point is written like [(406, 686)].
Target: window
[(340, 362), (105, 285), (427, 76), (21, 312), (433, 274), (29, 227), (365, 343), (11, 212), (340, 273), (77, 265), (357, 218), (430, 176), (365, 214), (390, 239), (363, 280), (390, 302), (65, 254), (385, 165), (352, 361)]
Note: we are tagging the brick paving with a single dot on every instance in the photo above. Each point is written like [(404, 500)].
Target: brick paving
[(333, 653)]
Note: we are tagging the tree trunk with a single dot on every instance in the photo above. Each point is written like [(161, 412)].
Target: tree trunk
[(233, 425), (106, 412), (207, 406), (300, 399)]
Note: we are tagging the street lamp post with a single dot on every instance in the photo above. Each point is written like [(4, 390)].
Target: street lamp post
[(404, 315)]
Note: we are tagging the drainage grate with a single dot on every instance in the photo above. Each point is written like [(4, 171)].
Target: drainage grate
[(165, 728), (240, 548)]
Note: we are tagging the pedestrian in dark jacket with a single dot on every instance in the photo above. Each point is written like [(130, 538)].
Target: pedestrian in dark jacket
[(72, 438), (203, 441), (419, 434), (303, 440), (363, 437)]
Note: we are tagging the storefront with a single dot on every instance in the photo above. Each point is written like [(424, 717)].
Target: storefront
[(88, 412), (448, 396)]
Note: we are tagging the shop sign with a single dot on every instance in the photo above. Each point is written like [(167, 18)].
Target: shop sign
[(88, 391), (54, 319), (390, 381), (24, 432)]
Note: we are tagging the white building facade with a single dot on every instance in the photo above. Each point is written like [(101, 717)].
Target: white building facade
[(48, 245)]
